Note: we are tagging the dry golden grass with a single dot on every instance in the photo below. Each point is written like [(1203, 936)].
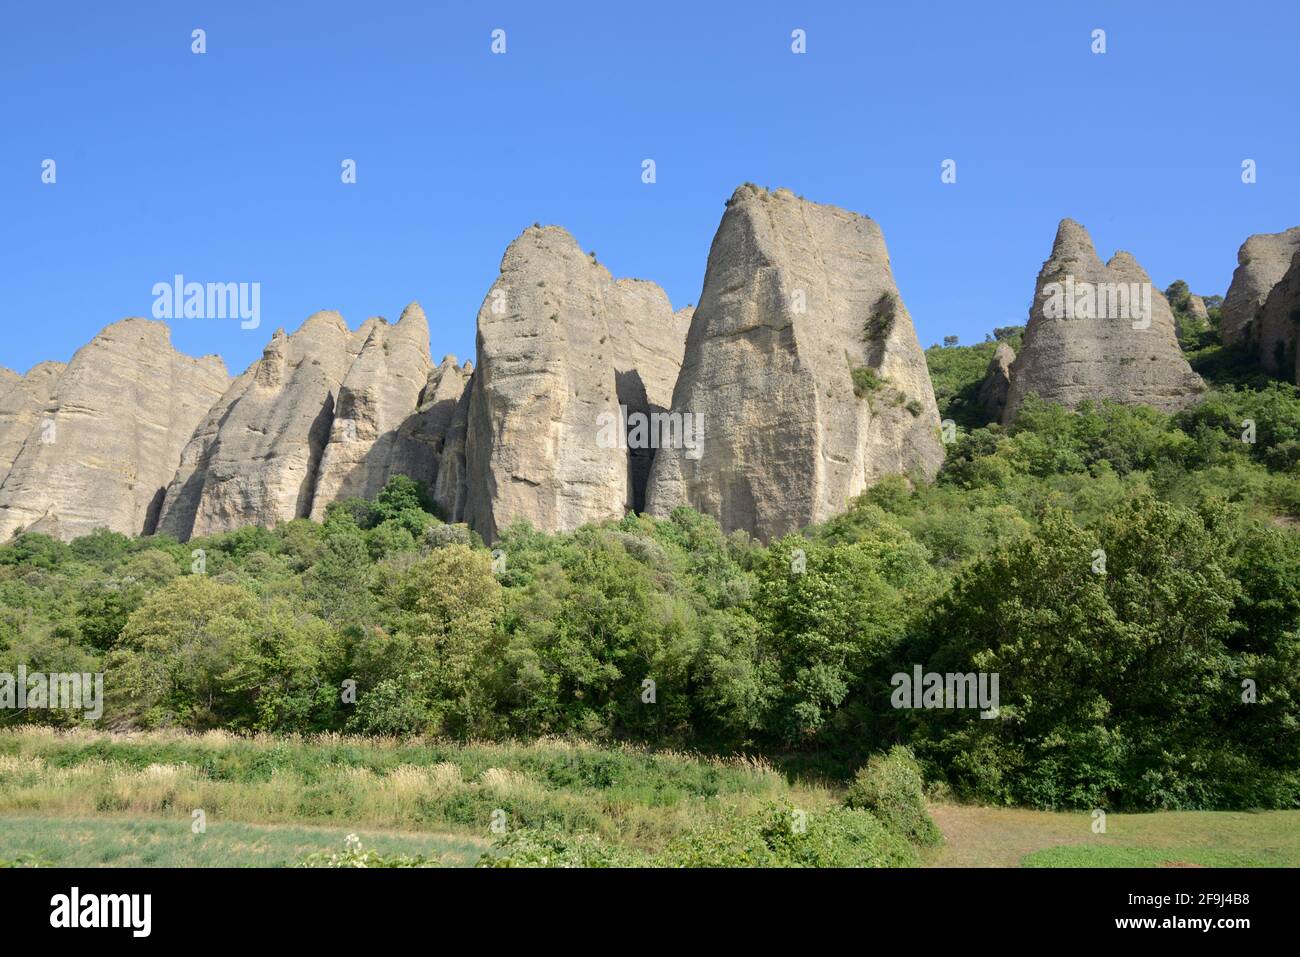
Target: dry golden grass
[(626, 793)]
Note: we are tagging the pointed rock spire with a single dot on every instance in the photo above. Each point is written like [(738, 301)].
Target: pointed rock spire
[(1099, 331), (1278, 334), (804, 365), (997, 382), (376, 431)]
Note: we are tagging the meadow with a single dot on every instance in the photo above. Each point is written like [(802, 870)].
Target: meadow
[(86, 798)]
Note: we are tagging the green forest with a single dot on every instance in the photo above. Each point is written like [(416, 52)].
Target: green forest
[(1163, 676)]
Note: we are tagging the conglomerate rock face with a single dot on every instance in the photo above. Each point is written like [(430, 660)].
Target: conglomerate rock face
[(997, 382), (565, 354), (452, 388), (1277, 336), (1261, 262), (378, 430), (102, 443), (1099, 331), (255, 457), (1196, 307), (803, 377), (795, 384), (24, 401)]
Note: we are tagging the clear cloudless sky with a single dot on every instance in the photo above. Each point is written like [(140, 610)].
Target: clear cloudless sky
[(225, 167)]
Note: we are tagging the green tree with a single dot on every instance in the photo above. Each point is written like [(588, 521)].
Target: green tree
[(282, 672), (174, 656), (406, 502), (828, 615), (441, 645), (1119, 663)]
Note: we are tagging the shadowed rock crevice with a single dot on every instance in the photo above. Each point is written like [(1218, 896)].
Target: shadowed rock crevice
[(317, 438), (632, 397), (153, 511), (450, 488)]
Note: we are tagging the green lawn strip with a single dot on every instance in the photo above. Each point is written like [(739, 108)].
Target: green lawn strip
[(1114, 855)]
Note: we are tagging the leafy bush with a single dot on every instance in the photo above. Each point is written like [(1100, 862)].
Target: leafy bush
[(33, 550), (777, 836), (890, 786), (883, 315), (866, 381), (551, 847), (1123, 688), (957, 373), (783, 836)]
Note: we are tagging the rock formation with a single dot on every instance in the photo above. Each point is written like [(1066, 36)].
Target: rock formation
[(1277, 332), (561, 347), (452, 386), (255, 458), (1099, 331), (997, 382), (796, 383), (804, 364), (110, 435), (24, 400), (378, 429), (1262, 261)]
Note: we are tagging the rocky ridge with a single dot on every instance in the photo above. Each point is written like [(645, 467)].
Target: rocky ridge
[(795, 384)]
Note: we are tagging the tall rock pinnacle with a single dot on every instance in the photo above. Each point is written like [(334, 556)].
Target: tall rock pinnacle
[(446, 408), (804, 365), (563, 349), (377, 431), (1277, 326)]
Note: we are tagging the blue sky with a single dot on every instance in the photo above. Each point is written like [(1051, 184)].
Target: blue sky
[(225, 167)]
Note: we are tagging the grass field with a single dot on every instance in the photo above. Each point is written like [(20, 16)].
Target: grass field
[(161, 842), (1011, 837), (92, 798), (632, 796)]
